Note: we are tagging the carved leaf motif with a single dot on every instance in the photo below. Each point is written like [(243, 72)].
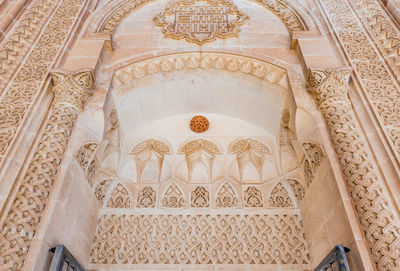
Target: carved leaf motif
[(119, 198), (298, 190), (101, 190), (227, 196), (193, 145), (243, 144), (253, 197), (200, 197), (173, 197), (147, 197), (279, 197)]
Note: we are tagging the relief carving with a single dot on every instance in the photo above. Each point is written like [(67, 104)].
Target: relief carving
[(189, 61), (71, 92), (280, 8), (85, 157), (101, 189), (199, 156), (314, 154), (298, 190), (250, 154), (375, 77), (200, 239), (149, 155), (253, 197), (279, 197), (227, 196), (200, 21), (364, 182), (146, 197), (119, 198), (173, 197), (17, 99), (200, 197)]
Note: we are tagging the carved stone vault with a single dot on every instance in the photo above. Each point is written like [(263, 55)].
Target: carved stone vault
[(97, 151)]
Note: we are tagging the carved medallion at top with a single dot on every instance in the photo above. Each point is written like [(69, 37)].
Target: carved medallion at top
[(200, 21)]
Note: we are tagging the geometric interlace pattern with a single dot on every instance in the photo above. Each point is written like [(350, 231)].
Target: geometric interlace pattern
[(199, 239)]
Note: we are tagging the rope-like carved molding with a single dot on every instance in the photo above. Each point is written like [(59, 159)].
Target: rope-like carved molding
[(280, 8), (17, 100), (380, 88), (200, 239), (197, 61), (329, 89), (15, 46), (22, 219)]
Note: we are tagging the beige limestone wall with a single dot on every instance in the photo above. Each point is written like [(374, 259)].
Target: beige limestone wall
[(325, 220)]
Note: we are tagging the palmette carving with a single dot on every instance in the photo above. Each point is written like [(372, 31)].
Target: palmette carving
[(119, 198), (298, 190), (192, 61), (200, 197), (364, 182), (22, 219), (314, 154), (227, 196), (147, 197), (101, 189), (253, 197), (173, 197), (279, 197), (19, 96), (85, 157), (199, 239)]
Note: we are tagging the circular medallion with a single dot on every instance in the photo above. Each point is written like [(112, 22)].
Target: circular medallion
[(199, 124)]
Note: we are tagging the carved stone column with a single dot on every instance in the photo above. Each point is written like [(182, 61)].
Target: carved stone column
[(363, 180), (21, 221)]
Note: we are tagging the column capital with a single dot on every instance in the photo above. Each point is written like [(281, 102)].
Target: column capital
[(72, 88), (324, 84)]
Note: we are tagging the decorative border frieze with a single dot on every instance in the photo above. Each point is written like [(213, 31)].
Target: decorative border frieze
[(15, 47), (205, 60), (18, 98), (200, 239), (381, 89), (21, 221), (364, 182)]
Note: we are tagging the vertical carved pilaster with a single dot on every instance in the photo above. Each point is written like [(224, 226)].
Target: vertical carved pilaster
[(329, 90), (71, 92)]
